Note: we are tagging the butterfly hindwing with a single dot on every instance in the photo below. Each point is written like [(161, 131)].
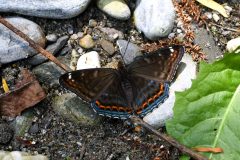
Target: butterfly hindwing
[(89, 83), (160, 65)]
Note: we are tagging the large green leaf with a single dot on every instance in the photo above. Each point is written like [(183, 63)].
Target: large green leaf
[(208, 114)]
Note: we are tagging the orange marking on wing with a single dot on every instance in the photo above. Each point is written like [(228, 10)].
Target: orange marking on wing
[(113, 107)]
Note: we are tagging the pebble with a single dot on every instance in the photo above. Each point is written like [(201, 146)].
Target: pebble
[(17, 155), (171, 35), (188, 69), (34, 129), (6, 133), (89, 60), (209, 15), (48, 73), (80, 34), (115, 8), (13, 48), (53, 48), (154, 18), (74, 37), (71, 106), (87, 42), (56, 9), (65, 51), (112, 33), (92, 23), (233, 44), (216, 17), (74, 58), (51, 37), (130, 53), (107, 46)]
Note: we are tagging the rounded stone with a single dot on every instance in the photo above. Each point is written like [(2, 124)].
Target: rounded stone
[(154, 18), (87, 42), (233, 44), (89, 60), (56, 9), (115, 8), (12, 47)]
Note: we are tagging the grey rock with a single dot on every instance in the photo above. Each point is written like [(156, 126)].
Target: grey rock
[(13, 48), (112, 33), (206, 41), (6, 133), (59, 9), (154, 18), (51, 37), (72, 107), (65, 51), (130, 53), (22, 123), (115, 8), (48, 73), (107, 46), (34, 129), (53, 48)]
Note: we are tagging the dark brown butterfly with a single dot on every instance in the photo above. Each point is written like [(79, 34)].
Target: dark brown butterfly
[(136, 88)]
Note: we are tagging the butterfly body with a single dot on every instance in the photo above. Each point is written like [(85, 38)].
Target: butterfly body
[(137, 88)]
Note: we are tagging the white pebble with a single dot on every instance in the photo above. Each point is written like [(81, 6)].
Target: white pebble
[(233, 44), (89, 60)]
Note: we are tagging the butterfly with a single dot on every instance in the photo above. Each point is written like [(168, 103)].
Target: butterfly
[(136, 88)]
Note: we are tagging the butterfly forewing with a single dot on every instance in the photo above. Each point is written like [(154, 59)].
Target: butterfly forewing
[(159, 66), (89, 84)]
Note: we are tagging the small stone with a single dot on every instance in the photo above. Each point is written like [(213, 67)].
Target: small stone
[(65, 51), (130, 53), (171, 35), (107, 46), (12, 47), (74, 58), (51, 37), (111, 32), (89, 60), (209, 15), (70, 29), (179, 31), (186, 72), (33, 129), (233, 44), (56, 9), (48, 73), (154, 18), (216, 17), (71, 106), (228, 9), (115, 8), (179, 24), (80, 50), (6, 133), (53, 48), (80, 34), (74, 37), (86, 42), (92, 23)]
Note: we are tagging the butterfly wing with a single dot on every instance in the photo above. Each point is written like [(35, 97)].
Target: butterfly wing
[(101, 87), (150, 75), (89, 83), (160, 65)]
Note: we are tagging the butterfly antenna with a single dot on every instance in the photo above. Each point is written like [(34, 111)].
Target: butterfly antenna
[(125, 51)]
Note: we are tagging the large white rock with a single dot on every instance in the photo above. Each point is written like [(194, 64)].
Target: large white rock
[(155, 18), (17, 155), (183, 81), (115, 8), (233, 44), (12, 47), (60, 9), (89, 60)]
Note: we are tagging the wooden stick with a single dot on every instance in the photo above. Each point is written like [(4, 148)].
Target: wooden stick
[(34, 45), (226, 28), (168, 139)]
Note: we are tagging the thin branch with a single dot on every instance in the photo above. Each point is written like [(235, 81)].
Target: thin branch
[(226, 28), (168, 139), (34, 45)]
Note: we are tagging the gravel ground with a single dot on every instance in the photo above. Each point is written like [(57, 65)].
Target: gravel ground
[(61, 138)]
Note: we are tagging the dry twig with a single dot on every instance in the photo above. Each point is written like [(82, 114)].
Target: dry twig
[(168, 139), (33, 44)]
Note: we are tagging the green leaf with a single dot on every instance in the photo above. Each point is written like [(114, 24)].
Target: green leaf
[(208, 114)]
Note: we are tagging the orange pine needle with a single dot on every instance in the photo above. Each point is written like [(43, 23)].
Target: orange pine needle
[(208, 149)]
